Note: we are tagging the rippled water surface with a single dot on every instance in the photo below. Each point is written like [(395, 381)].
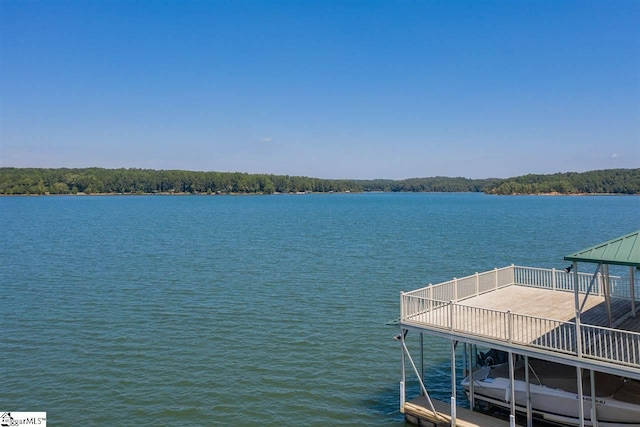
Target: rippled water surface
[(220, 310)]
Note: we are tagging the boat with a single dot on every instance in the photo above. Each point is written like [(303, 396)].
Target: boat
[(553, 390)]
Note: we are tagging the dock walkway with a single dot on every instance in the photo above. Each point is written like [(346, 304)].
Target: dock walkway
[(417, 412)]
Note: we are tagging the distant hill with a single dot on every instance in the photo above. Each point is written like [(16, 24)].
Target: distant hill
[(149, 181)]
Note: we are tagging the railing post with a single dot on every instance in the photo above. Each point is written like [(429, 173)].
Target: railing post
[(451, 315), (402, 308), (509, 326), (477, 283), (455, 289), (553, 279), (578, 337), (513, 274), (495, 277), (600, 284)]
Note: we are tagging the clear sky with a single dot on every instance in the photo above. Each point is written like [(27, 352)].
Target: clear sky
[(357, 89)]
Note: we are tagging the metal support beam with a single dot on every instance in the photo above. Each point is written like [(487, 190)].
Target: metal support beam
[(453, 383), (472, 399), (593, 280), (607, 293), (594, 412), (415, 370), (632, 289), (580, 396), (404, 378), (512, 386), (421, 356), (527, 381), (576, 280)]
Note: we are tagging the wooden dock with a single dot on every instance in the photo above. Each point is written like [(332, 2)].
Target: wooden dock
[(581, 320), (544, 303), (540, 319), (417, 411), (528, 301)]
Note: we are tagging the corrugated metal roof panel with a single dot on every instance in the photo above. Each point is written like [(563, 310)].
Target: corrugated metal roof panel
[(624, 250)]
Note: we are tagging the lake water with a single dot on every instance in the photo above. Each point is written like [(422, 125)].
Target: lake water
[(222, 310)]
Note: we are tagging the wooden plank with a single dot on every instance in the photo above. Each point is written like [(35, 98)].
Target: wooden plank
[(418, 408), (529, 301)]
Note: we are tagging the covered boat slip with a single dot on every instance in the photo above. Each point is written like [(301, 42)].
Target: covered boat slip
[(586, 319)]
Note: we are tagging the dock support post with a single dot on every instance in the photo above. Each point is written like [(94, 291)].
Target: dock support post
[(512, 393), (607, 293), (632, 291), (577, 303), (527, 381), (421, 358), (472, 398), (576, 278), (512, 375), (404, 378), (453, 411), (580, 396), (453, 383), (594, 417)]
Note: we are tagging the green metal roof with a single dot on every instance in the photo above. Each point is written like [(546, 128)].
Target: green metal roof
[(624, 250)]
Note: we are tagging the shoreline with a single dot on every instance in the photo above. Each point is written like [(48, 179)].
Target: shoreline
[(301, 193)]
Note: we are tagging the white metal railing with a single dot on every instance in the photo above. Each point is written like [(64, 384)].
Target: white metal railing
[(611, 344), (557, 280), (598, 342), (467, 287), (437, 306), (550, 334)]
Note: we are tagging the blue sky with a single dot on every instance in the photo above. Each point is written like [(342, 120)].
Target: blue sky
[(330, 89)]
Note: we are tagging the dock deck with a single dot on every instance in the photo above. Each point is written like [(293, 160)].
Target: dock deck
[(534, 311), (539, 302), (417, 412)]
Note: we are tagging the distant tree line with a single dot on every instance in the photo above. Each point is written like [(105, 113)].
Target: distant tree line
[(147, 181), (438, 184), (607, 181)]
